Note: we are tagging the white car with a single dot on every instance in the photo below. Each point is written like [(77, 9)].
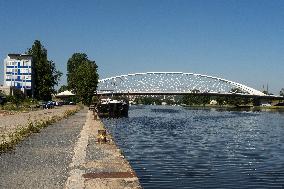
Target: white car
[(265, 105)]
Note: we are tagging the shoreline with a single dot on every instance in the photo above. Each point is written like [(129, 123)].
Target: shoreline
[(252, 108)]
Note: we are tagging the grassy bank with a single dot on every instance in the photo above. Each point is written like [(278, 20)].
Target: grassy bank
[(9, 141)]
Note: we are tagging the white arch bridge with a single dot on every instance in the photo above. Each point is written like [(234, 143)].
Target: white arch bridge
[(160, 83)]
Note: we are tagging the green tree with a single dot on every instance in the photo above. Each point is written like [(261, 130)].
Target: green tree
[(221, 100), (236, 90), (17, 98), (72, 66), (45, 75), (191, 99), (82, 77), (205, 100), (62, 88), (195, 91), (282, 92)]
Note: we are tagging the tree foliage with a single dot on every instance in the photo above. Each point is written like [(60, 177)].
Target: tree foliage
[(46, 76), (82, 76), (17, 98), (265, 92), (62, 88), (148, 100), (236, 90), (282, 92), (191, 99), (220, 100)]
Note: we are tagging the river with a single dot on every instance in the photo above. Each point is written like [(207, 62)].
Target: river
[(176, 147)]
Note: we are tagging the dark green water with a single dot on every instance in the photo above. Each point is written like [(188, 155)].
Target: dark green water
[(174, 147)]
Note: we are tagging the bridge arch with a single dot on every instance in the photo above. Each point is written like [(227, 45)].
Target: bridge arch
[(167, 82)]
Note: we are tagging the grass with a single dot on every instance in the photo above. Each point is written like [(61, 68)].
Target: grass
[(9, 141), (21, 107)]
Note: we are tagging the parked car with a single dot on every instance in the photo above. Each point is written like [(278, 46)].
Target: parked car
[(265, 104), (50, 105), (72, 103), (58, 103), (46, 105)]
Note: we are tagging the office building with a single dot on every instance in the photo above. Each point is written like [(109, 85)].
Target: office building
[(18, 72)]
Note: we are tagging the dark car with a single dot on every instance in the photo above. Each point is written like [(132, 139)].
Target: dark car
[(46, 105), (59, 103), (50, 105)]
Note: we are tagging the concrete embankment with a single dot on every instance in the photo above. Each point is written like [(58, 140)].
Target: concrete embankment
[(99, 165)]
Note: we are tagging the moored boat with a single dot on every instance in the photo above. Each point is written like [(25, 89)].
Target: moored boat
[(112, 108)]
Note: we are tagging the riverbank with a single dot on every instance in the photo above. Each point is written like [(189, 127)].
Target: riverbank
[(99, 165), (229, 107)]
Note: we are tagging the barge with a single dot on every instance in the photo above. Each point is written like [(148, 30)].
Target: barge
[(110, 108)]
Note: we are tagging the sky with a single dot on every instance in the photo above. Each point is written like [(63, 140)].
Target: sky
[(238, 40)]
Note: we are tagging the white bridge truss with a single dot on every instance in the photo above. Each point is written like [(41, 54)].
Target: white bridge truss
[(171, 82)]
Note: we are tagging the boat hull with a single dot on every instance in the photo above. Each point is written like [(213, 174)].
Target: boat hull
[(113, 110)]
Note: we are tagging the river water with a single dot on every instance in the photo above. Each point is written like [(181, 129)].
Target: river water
[(176, 147)]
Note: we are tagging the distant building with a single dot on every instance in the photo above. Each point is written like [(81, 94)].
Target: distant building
[(213, 102), (18, 72)]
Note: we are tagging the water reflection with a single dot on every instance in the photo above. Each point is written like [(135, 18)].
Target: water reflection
[(174, 147)]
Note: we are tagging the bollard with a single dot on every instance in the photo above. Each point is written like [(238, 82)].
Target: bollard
[(95, 115), (102, 136)]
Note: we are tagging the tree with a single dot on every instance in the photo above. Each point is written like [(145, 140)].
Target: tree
[(282, 92), (265, 92), (191, 99), (236, 90), (2, 98), (72, 65), (62, 88), (45, 75), (2, 93), (82, 77), (195, 91), (17, 98), (205, 100), (221, 100)]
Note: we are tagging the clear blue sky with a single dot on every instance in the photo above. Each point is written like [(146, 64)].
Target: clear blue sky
[(239, 40)]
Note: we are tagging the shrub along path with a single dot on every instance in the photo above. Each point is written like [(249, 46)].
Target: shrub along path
[(9, 123)]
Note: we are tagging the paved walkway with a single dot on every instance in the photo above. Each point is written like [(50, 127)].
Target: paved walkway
[(67, 155), (42, 159)]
